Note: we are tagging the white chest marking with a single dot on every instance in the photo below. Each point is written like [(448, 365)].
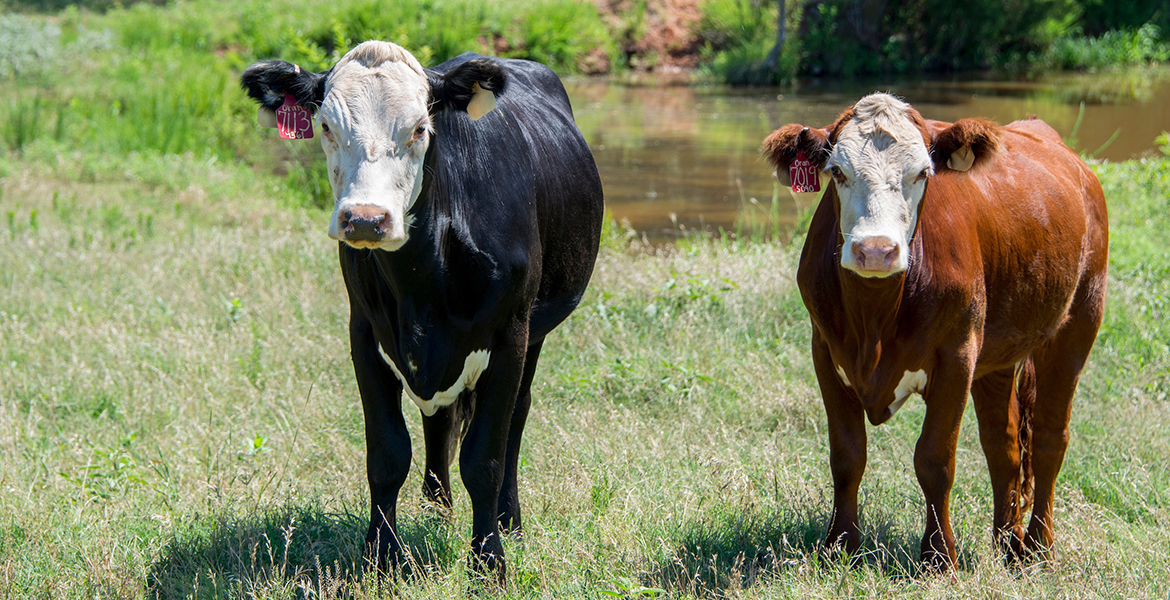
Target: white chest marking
[(473, 366), (912, 383), (844, 379)]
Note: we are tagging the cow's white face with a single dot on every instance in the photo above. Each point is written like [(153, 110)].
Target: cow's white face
[(880, 164), (375, 131)]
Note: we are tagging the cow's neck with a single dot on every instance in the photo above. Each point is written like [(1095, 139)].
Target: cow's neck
[(871, 310)]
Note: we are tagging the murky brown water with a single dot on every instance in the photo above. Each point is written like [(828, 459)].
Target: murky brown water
[(680, 158)]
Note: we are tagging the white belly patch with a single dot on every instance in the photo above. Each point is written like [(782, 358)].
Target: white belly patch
[(473, 366), (912, 383)]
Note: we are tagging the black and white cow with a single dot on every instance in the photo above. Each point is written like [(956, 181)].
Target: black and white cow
[(468, 209)]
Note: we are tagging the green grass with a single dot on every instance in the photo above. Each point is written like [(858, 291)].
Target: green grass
[(178, 417), (84, 90)]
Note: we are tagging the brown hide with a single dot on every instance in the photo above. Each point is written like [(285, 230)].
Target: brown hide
[(1002, 301)]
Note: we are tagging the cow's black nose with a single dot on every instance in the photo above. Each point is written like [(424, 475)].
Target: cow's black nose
[(364, 224)]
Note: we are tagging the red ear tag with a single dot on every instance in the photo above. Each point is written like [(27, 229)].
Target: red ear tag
[(293, 121), (804, 174)]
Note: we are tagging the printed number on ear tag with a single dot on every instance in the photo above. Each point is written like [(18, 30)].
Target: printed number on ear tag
[(804, 175), (293, 120)]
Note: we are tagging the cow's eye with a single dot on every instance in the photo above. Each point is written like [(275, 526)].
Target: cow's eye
[(324, 127), (419, 132), (837, 173), (922, 175)]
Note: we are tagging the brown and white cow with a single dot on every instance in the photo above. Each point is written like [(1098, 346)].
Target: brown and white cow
[(947, 260)]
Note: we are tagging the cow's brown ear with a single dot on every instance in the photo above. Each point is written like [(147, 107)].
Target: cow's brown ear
[(785, 143), (964, 144)]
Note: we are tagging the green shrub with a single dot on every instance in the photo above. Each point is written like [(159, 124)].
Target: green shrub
[(29, 48), (738, 36), (1126, 47)]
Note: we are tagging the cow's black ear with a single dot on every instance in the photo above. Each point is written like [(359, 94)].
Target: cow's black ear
[(471, 87), (268, 81)]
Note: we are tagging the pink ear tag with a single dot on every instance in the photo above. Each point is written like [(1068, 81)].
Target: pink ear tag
[(293, 120), (804, 174)]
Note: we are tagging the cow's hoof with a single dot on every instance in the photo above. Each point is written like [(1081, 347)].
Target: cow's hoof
[(843, 543), (1037, 553), (1011, 544), (936, 562), (382, 553), (438, 513), (487, 562)]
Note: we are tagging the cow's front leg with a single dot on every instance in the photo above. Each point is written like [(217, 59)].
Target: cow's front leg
[(387, 443), (847, 450), (483, 455), (934, 456)]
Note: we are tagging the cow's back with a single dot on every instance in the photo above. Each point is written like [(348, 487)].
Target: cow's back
[(552, 171), (569, 195), (1028, 226)]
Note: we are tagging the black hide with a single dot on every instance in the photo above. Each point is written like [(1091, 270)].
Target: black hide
[(501, 247)]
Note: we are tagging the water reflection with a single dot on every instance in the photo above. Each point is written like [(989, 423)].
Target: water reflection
[(675, 158)]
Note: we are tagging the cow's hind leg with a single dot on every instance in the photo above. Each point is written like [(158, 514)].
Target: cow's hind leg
[(509, 505), (483, 454), (1058, 368), (998, 409), (388, 450), (439, 433)]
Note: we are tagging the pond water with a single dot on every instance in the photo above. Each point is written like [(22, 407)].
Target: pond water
[(678, 158)]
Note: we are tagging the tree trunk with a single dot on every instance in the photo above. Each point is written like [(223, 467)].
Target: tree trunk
[(773, 58)]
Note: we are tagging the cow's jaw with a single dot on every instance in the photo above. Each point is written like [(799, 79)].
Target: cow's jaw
[(879, 167), (378, 131)]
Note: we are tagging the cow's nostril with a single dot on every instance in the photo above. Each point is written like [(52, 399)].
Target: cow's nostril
[(858, 254), (892, 256), (875, 253), (365, 223)]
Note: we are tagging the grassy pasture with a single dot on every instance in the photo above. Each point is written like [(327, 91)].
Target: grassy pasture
[(179, 419)]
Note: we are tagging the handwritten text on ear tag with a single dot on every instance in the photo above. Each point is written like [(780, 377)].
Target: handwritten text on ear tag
[(804, 174), (293, 120)]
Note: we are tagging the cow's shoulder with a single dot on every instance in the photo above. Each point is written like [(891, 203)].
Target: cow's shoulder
[(1034, 129)]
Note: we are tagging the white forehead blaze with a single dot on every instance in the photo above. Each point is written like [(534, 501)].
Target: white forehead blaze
[(375, 103), (879, 157)]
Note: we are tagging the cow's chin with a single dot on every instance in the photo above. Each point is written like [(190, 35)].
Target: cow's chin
[(894, 270), (875, 274), (386, 245)]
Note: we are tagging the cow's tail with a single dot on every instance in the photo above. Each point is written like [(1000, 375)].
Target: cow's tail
[(1025, 402)]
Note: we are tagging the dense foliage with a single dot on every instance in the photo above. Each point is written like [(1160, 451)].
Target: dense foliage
[(854, 37), (112, 90)]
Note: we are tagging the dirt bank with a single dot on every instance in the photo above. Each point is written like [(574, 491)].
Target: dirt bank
[(662, 37)]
